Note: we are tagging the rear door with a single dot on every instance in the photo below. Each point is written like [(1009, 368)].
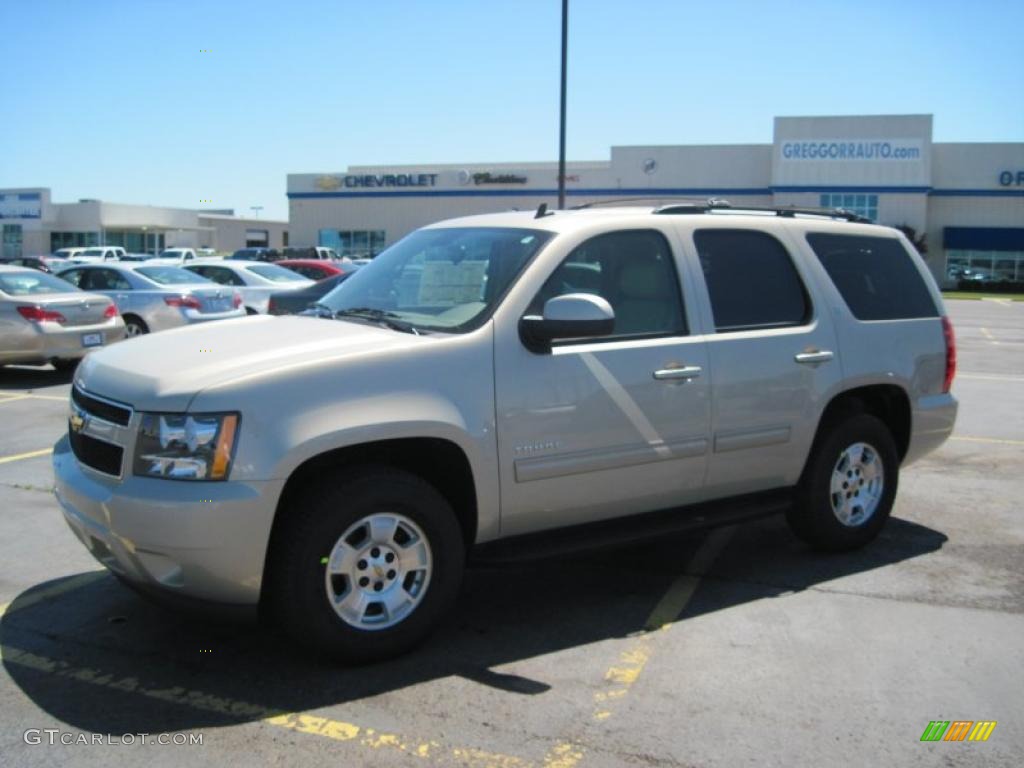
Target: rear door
[(773, 356)]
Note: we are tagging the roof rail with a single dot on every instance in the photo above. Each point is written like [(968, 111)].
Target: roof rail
[(646, 198), (789, 212)]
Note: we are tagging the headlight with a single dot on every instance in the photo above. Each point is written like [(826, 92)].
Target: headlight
[(181, 446)]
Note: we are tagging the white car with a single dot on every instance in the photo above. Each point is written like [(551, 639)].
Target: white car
[(255, 280), (66, 254), (180, 255), (99, 254), (318, 252)]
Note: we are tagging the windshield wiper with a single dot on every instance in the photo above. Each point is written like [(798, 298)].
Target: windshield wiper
[(387, 319)]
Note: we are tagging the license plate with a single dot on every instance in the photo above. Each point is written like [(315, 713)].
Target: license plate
[(92, 339)]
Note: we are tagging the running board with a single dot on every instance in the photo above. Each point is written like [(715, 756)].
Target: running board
[(608, 534)]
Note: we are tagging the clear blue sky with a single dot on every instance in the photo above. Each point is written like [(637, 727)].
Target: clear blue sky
[(113, 99)]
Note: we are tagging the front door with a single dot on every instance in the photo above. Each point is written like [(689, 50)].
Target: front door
[(605, 427)]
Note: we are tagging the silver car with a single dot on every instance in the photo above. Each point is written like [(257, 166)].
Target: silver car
[(45, 320), (255, 280), (500, 382), (155, 297)]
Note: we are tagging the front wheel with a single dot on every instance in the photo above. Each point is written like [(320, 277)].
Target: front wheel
[(365, 564), (849, 485)]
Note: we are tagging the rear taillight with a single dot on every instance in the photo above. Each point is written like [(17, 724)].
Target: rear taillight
[(236, 300), (37, 314), (184, 301), (947, 332), (271, 306), (110, 312)]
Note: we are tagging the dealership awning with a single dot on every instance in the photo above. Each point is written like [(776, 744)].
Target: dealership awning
[(983, 238)]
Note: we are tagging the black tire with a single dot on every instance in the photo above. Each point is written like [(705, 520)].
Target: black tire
[(297, 595), (134, 326), (812, 517), (66, 365), (250, 311)]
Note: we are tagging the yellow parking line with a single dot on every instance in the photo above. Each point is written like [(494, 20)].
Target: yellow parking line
[(632, 661), (988, 335), (33, 396), (990, 376), (336, 730), (993, 440), (682, 589), (10, 398), (47, 592), (29, 455)]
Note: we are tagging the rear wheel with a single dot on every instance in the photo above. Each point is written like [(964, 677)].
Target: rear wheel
[(849, 485), (134, 326), (366, 564)]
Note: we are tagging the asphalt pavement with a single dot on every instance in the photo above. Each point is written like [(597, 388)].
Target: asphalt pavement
[(725, 648)]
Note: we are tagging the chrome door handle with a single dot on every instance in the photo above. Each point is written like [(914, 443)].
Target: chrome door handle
[(810, 358), (686, 373)]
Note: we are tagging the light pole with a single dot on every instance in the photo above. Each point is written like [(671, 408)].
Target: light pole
[(561, 130), (255, 210)]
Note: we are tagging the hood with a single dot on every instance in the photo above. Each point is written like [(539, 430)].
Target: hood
[(164, 371)]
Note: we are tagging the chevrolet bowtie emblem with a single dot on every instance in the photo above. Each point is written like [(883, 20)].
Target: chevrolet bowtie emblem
[(77, 422)]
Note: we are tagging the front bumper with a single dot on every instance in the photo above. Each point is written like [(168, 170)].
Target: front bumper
[(201, 540)]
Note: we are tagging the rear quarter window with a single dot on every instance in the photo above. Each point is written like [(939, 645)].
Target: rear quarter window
[(876, 276)]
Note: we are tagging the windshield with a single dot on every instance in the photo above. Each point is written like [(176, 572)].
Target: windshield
[(276, 274), (440, 279), (32, 284), (171, 275)]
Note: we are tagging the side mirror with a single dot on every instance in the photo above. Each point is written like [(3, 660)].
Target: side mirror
[(572, 316)]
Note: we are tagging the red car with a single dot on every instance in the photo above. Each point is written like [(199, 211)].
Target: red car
[(312, 268)]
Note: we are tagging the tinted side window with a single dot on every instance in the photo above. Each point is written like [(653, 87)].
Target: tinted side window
[(751, 280), (875, 275), (634, 271), (223, 276), (73, 276)]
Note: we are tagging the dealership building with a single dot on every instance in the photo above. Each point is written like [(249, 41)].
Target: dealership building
[(967, 199), (32, 224)]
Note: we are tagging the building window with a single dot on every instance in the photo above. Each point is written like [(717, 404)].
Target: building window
[(257, 238), (73, 240), (862, 205), (985, 266), (12, 241), (356, 244)]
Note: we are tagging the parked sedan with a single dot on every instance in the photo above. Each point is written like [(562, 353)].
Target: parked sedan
[(45, 320), (33, 262), (255, 280), (315, 269), (154, 297), (293, 302)]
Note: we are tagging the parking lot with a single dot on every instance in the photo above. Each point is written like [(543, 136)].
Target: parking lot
[(731, 647)]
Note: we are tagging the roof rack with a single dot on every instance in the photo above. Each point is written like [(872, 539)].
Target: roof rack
[(646, 198), (789, 212)]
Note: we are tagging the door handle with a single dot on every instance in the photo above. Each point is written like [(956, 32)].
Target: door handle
[(685, 373), (811, 358)]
